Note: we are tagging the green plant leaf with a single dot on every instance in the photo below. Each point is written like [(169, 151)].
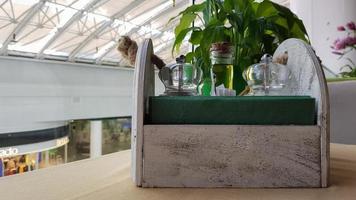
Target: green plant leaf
[(180, 37), (265, 9), (185, 22), (197, 52), (302, 29), (214, 32), (196, 37), (207, 12), (296, 32), (195, 8), (189, 57), (236, 20), (228, 5), (279, 21), (190, 10), (292, 19)]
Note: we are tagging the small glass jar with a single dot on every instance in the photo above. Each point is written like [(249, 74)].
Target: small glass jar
[(268, 78), (180, 79)]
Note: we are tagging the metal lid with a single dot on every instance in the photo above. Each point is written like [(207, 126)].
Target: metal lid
[(180, 59), (222, 48)]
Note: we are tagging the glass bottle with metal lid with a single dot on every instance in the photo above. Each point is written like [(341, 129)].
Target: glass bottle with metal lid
[(267, 77), (222, 58), (180, 79)]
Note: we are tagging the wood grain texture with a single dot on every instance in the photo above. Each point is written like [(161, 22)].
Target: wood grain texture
[(143, 88), (324, 120), (309, 79), (231, 156)]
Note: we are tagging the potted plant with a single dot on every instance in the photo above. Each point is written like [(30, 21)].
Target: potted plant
[(254, 28)]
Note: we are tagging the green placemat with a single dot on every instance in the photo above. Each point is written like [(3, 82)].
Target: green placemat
[(248, 110)]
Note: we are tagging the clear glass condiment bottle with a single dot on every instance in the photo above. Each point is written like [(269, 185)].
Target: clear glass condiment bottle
[(222, 58), (268, 78), (180, 79)]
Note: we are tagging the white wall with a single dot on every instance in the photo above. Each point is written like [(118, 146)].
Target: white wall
[(321, 18), (342, 108), (45, 94)]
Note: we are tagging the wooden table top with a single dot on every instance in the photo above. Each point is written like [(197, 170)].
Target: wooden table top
[(108, 177)]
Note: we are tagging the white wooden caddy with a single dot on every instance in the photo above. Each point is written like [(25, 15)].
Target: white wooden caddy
[(232, 155)]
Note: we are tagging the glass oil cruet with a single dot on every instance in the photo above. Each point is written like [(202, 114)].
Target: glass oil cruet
[(222, 58), (268, 78), (180, 79)]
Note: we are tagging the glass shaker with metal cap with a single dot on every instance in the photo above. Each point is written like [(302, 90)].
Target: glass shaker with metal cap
[(180, 79), (267, 77)]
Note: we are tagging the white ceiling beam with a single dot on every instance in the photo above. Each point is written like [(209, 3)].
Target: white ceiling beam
[(106, 24), (101, 3), (32, 12), (170, 42), (78, 15), (146, 22), (172, 24), (165, 27), (165, 46)]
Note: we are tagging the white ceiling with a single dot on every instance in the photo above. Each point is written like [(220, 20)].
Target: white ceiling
[(86, 30)]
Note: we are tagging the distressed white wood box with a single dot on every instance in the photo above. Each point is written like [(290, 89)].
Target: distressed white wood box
[(254, 156)]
